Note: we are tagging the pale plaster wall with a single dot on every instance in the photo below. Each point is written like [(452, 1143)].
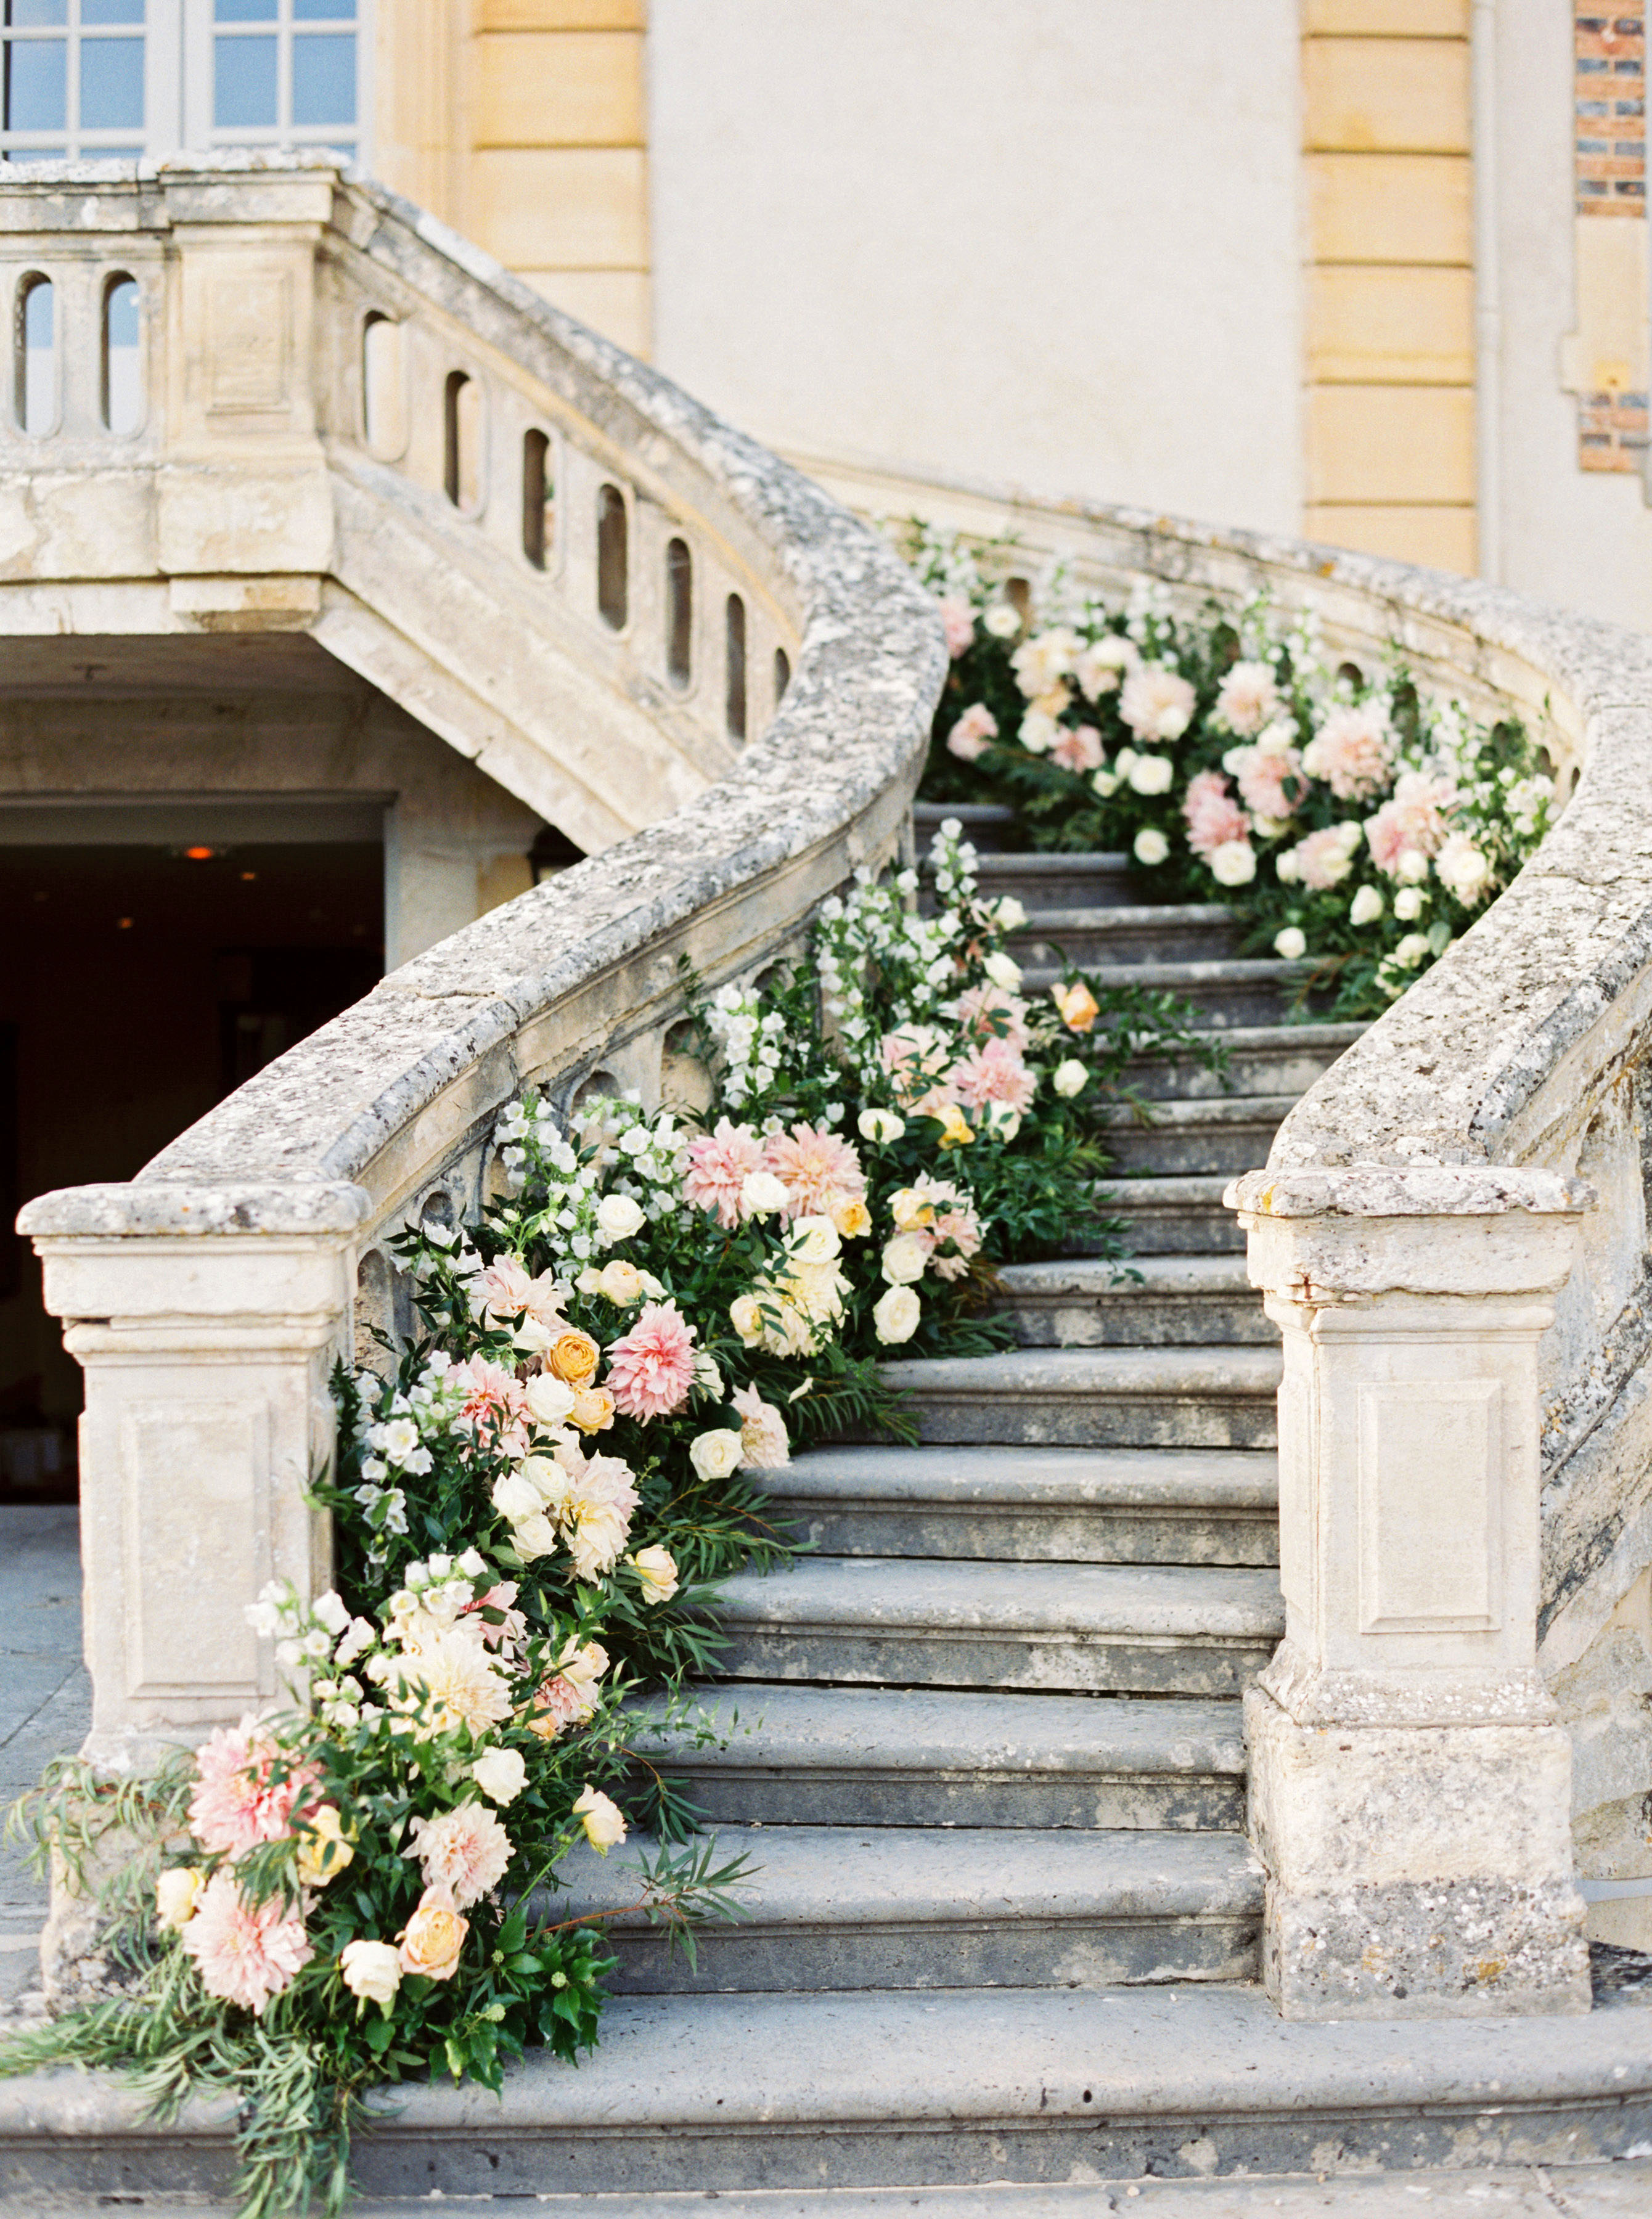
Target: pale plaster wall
[(1054, 244), (1581, 537)]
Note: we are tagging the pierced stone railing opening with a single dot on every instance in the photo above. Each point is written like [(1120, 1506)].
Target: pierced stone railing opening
[(343, 421)]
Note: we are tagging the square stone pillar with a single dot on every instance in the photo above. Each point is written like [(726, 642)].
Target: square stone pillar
[(1409, 1782), (207, 1323)]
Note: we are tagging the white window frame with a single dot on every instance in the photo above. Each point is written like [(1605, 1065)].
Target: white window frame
[(159, 130), (200, 131)]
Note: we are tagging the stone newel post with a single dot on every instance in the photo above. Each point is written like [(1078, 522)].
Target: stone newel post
[(206, 1323), (1410, 1786)]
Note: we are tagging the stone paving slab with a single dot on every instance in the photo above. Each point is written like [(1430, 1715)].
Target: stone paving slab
[(44, 1696)]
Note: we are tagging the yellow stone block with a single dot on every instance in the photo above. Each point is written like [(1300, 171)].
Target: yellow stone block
[(1390, 208), (1386, 95), (561, 208), (1416, 19), (1444, 538), (1371, 326), (559, 89), (562, 15), (1393, 444), (612, 302)]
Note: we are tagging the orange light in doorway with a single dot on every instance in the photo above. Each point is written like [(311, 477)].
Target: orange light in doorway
[(200, 854), (247, 877), (123, 924)]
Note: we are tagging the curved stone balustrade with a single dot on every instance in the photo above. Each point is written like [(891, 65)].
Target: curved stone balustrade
[(208, 1299)]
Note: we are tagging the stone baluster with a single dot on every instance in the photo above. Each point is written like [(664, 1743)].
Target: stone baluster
[(1410, 1784), (207, 1323)]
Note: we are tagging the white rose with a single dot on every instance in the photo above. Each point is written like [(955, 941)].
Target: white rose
[(707, 1378), (814, 1240), (1009, 915), (620, 1282), (895, 1317), (761, 1193), (1234, 864), (531, 1337), (603, 1821), (175, 1895), (1038, 732), (1069, 1078), (533, 1537), (745, 1316), (371, 1970), (619, 1217), (516, 1498), (1412, 867), (880, 1125), (1003, 971), (1150, 847), (1408, 903), (656, 1568), (549, 1398), (905, 1258), (1351, 832), (1411, 951), (1290, 943), (1106, 783), (998, 1118), (1002, 621), (715, 1455), (1366, 907), (501, 1774), (1152, 774), (1461, 866)]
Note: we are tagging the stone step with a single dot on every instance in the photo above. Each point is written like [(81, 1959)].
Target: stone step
[(1164, 933), (988, 827), (1179, 1217), (1260, 1059), (1046, 882), (837, 1908), (1042, 1505), (1238, 991), (1231, 1133), (1195, 1398), (719, 2093), (922, 1756), (1103, 1628), (1172, 1302)]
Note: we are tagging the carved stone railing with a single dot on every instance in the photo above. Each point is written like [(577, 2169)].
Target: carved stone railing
[(1451, 1234), (208, 1299)]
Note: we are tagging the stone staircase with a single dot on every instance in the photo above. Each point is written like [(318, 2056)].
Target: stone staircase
[(984, 1743)]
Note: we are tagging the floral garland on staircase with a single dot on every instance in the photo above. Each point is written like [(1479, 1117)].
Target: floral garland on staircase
[(532, 1504), (1346, 817)]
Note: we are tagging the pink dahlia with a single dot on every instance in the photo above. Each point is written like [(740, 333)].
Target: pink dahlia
[(989, 1013), (912, 1056), (1248, 699), (1263, 776), (651, 1368), (958, 622), (969, 735), (992, 1073), (466, 1850), (236, 1805), (718, 1163), (819, 1172), (1157, 704), (494, 1405), (512, 1628), (505, 1287), (557, 1705), (1077, 749), (950, 1217), (1412, 823), (245, 1952), (1352, 751), (1320, 861), (1214, 817)]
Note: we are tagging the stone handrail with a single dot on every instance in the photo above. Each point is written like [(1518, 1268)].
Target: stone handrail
[(208, 1299), (1451, 1234)]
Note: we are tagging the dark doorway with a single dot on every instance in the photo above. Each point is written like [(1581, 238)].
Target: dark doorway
[(140, 984)]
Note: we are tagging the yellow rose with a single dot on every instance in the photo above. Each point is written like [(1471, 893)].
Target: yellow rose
[(1079, 1006), (175, 1895), (573, 1356), (910, 1209), (853, 1220), (955, 1131), (433, 1936), (324, 1849), (594, 1410)]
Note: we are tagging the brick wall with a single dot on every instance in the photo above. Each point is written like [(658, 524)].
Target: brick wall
[(1610, 171), (1389, 282)]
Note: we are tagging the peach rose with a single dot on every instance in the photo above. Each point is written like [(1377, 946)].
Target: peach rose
[(1079, 1006), (433, 1936), (594, 1410), (853, 1220), (573, 1356)]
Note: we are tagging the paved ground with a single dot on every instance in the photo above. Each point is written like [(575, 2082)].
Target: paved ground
[(44, 1697)]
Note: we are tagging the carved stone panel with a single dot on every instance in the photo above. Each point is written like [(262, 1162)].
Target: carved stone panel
[(1430, 1470)]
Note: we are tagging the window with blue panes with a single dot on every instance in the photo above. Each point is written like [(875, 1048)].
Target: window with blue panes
[(73, 79), (285, 74)]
